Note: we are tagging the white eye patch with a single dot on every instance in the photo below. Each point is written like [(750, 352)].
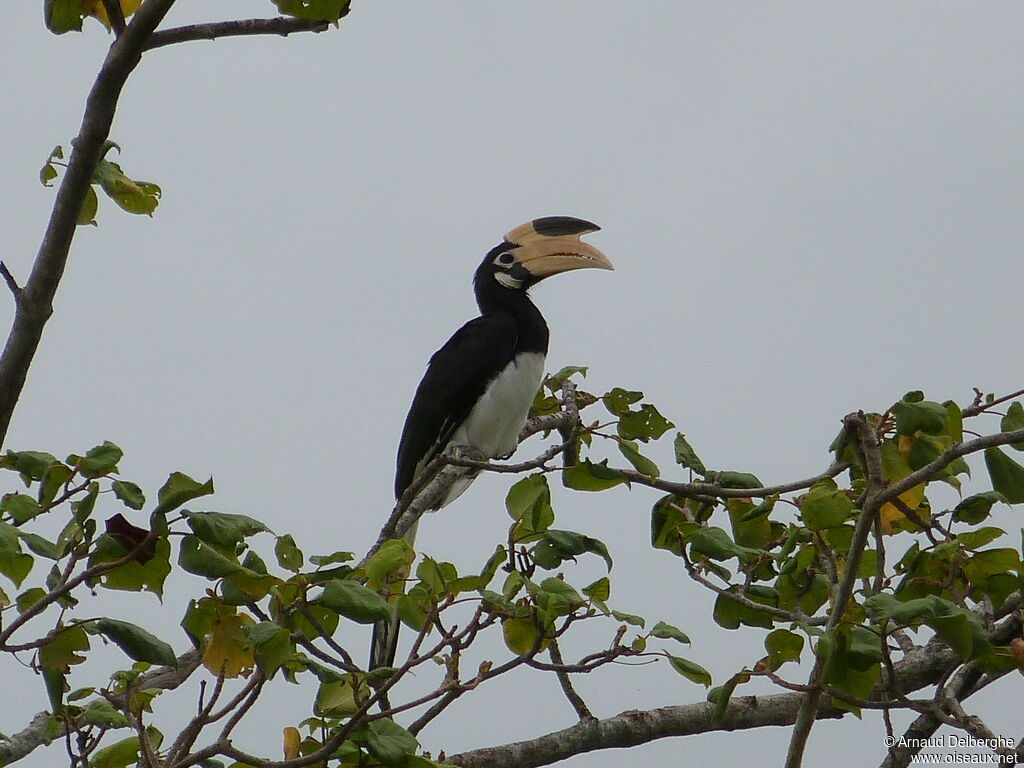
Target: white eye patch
[(507, 280)]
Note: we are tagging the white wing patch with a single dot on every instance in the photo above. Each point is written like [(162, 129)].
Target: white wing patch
[(492, 427)]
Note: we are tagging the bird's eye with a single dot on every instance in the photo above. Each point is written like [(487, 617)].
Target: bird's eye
[(505, 259)]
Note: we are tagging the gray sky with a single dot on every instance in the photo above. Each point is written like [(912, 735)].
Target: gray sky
[(811, 207)]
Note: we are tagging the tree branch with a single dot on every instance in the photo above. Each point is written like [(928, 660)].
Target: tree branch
[(12, 284), (115, 14), (34, 303), (923, 666), (865, 442), (35, 734), (238, 28)]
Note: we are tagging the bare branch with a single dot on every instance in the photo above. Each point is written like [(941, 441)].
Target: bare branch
[(577, 702), (699, 490), (921, 667), (237, 28), (35, 301), (979, 407), (115, 14), (865, 442), (12, 284)]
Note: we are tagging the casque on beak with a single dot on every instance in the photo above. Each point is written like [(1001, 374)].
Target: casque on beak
[(552, 245)]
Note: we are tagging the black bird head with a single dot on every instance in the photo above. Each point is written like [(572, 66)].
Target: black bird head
[(539, 249)]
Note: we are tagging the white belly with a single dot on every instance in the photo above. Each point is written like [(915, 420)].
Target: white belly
[(493, 426)]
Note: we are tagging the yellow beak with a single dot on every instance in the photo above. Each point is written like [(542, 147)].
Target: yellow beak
[(552, 245), (552, 255)]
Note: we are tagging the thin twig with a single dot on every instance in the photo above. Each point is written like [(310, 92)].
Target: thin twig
[(115, 15), (979, 407), (9, 279), (237, 28)]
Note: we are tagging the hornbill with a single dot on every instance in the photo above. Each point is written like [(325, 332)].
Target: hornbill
[(479, 386)]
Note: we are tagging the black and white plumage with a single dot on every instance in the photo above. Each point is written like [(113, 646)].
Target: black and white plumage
[(478, 387)]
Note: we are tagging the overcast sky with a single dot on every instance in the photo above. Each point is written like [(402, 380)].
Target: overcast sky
[(811, 207)]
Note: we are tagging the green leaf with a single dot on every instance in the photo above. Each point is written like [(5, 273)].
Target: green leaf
[(668, 632), (14, 564), (64, 650), (558, 598), (524, 495), (389, 742), (62, 16), (135, 641), (124, 753), (865, 648), (686, 457), (730, 614), (690, 670), (39, 545), (354, 601), (554, 380), (54, 479), (133, 576), (557, 546), (961, 629), (618, 400), (716, 544), (990, 562), (729, 479), (645, 424), (336, 698), (1006, 474), (223, 531), (529, 502), (289, 556), (314, 10), (825, 506), (599, 590), (924, 415), (641, 463), (782, 646), (200, 558), (179, 489), (272, 644), (102, 714), (761, 510), (721, 695), (335, 557), (520, 634), (131, 195), (1012, 421), (29, 597), (629, 618), (979, 537), (21, 507), (87, 213), (393, 556), (974, 509), (586, 476), (31, 465), (99, 461), (129, 493)]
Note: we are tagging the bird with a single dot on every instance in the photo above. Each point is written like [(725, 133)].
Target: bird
[(478, 387)]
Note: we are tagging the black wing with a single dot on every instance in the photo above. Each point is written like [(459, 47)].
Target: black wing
[(455, 379)]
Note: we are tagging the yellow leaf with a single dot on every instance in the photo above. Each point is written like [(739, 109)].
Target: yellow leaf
[(228, 651), (292, 740), (95, 9), (891, 515)]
